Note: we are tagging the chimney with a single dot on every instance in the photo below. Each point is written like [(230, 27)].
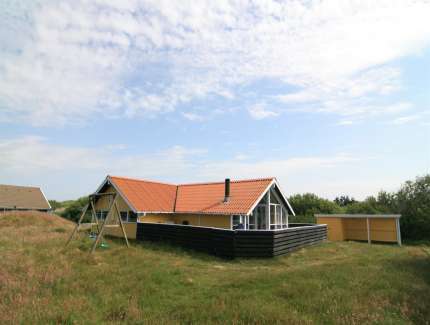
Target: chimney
[(227, 190)]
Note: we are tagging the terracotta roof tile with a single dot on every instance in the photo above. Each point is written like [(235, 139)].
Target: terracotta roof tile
[(191, 198), (145, 195), (209, 197)]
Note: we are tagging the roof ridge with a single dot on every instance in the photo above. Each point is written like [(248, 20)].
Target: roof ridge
[(196, 183), (231, 181), (23, 186), (141, 180)]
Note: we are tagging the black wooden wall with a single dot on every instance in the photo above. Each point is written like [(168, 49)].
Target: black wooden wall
[(234, 243)]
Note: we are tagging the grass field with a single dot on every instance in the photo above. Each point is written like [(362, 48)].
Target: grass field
[(348, 283)]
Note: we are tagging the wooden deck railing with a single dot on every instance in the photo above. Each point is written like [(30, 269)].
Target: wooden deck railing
[(234, 243)]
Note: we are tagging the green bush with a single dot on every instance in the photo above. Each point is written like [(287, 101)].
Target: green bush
[(74, 209), (413, 203), (307, 205)]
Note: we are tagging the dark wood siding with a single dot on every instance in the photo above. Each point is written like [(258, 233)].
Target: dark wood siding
[(210, 240), (234, 243)]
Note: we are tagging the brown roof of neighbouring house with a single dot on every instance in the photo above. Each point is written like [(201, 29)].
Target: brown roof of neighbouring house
[(22, 197), (146, 196)]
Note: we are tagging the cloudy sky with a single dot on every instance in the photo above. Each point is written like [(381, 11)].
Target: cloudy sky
[(331, 97)]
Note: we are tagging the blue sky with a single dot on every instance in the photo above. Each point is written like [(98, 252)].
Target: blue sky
[(330, 97)]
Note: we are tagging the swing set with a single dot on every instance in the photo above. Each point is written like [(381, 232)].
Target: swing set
[(98, 226)]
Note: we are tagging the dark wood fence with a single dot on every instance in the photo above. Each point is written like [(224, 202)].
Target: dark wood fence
[(234, 243), (211, 240)]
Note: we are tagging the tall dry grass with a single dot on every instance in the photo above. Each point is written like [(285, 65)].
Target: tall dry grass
[(344, 283)]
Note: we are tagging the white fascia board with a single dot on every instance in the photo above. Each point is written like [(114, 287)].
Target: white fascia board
[(122, 195), (260, 197), (101, 185), (41, 191), (274, 181), (108, 180), (156, 212), (283, 196)]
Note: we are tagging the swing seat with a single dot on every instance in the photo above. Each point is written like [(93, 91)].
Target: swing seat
[(104, 245)]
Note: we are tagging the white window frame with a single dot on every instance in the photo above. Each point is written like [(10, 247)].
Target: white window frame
[(244, 219), (279, 209), (275, 207), (254, 224)]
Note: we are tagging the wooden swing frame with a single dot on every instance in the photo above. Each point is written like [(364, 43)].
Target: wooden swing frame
[(113, 206)]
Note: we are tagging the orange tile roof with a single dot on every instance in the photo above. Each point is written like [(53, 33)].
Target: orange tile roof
[(191, 198), (209, 197), (146, 195)]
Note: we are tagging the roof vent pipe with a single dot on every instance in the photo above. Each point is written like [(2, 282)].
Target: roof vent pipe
[(227, 190)]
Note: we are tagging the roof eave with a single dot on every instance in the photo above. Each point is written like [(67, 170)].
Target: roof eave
[(109, 180)]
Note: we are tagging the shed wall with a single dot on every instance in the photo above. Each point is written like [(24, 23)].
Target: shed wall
[(355, 228), (335, 229)]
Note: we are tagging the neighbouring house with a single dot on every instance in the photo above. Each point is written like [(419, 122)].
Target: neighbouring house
[(253, 204), (22, 198)]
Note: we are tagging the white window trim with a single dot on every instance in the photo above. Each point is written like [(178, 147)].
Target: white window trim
[(244, 219)]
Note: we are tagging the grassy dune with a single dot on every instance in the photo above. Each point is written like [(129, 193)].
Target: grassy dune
[(345, 282)]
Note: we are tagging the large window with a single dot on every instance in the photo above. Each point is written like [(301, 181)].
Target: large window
[(275, 216), (270, 213), (252, 221), (101, 215), (239, 222), (260, 216), (128, 216)]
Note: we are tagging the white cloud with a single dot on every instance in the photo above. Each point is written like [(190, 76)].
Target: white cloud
[(193, 117), (420, 116), (32, 154), (70, 61), (70, 171), (345, 122), (405, 119), (259, 112)]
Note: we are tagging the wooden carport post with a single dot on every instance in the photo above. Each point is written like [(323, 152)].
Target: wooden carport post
[(368, 231), (399, 236)]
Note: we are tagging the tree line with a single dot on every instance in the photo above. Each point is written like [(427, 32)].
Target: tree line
[(412, 201)]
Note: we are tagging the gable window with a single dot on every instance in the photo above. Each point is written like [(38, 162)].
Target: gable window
[(124, 216), (128, 216), (101, 215), (132, 217), (270, 213)]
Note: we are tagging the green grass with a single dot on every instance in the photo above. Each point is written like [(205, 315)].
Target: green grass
[(347, 282)]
